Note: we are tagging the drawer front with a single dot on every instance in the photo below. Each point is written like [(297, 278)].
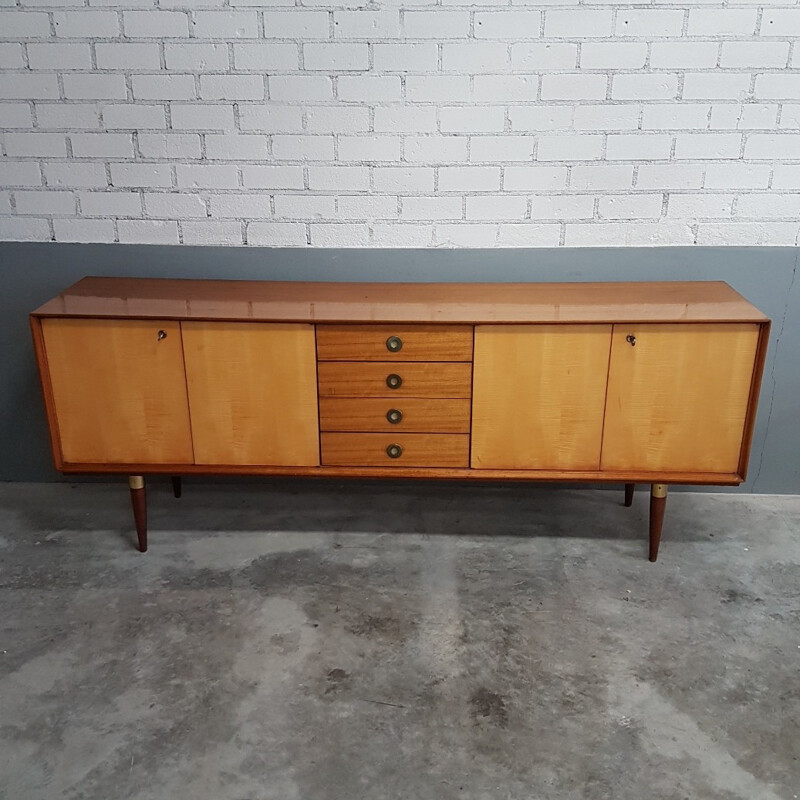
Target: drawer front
[(394, 342), (401, 450), (407, 415), (403, 379)]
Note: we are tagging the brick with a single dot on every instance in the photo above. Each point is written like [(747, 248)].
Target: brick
[(375, 88), (44, 145), (474, 57), (163, 87), (497, 88), (174, 205), (303, 148), (630, 206), (606, 117), (574, 147), (169, 145), (723, 86), (747, 116), (95, 87), (737, 176), (683, 55), (754, 54), (135, 117), (670, 176), (76, 175), (145, 231), (539, 117), (272, 177), (59, 55), (125, 176), (437, 88), (67, 116), (766, 145), (537, 56), (466, 234), (296, 24), (780, 22), (431, 208), (128, 56), (401, 235), (467, 119), (366, 207), (236, 147), (528, 235), (436, 149), (708, 145), (207, 176), (469, 179), (407, 57), (11, 55), (790, 117), (502, 148), (672, 116), (592, 177), (574, 87), (562, 207), (276, 234), (196, 117), (24, 229), (212, 232), (646, 23), (295, 206), (29, 87), (497, 207), (436, 24), (339, 234), (718, 22), (691, 206), (406, 118), (232, 87), (83, 24), (226, 25), (110, 204), (270, 118), (403, 179), (786, 176), (155, 24), (261, 56), (369, 25), (102, 145), (84, 230), (24, 25), (778, 87), (300, 88), (198, 57), (20, 173), (613, 55), (369, 148), (638, 147), (507, 24), (628, 234), (241, 206), (747, 233), (45, 202), (659, 86), (577, 24), (15, 115), (534, 178), (352, 179)]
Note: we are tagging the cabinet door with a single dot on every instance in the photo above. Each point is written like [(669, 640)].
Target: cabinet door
[(119, 391), (677, 397), (252, 393), (538, 396)]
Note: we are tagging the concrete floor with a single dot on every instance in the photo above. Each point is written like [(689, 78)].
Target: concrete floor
[(318, 641)]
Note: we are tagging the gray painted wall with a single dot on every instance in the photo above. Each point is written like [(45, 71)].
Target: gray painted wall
[(33, 272)]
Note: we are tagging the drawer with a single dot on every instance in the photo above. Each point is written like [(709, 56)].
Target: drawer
[(407, 450), (411, 415), (403, 342), (401, 379)]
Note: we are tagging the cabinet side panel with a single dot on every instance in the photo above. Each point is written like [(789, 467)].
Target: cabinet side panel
[(47, 390), (252, 393), (538, 396), (678, 396), (118, 390)]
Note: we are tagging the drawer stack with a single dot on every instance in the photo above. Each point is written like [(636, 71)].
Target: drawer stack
[(394, 395)]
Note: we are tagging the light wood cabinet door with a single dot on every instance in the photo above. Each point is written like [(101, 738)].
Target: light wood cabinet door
[(678, 396), (118, 390), (538, 396), (252, 393)]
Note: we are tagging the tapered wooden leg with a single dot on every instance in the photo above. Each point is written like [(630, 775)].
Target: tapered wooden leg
[(629, 487), (139, 503), (176, 485), (658, 503)]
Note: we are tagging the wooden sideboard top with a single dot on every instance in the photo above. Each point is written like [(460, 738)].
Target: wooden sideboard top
[(295, 301)]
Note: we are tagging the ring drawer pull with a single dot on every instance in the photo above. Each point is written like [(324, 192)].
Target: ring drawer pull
[(394, 451), (162, 335), (394, 344), (631, 340), (394, 381), (394, 415)]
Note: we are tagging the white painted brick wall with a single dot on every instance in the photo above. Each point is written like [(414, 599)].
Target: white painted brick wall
[(409, 123)]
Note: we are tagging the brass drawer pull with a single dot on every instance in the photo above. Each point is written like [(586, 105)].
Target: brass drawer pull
[(631, 340), (394, 451), (394, 344), (162, 335), (394, 381), (394, 415)]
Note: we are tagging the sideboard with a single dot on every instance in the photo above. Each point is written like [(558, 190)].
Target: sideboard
[(653, 383)]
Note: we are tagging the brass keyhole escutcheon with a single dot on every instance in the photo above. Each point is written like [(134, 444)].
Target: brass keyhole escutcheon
[(394, 415), (394, 344), (162, 335), (394, 451), (394, 381), (631, 340)]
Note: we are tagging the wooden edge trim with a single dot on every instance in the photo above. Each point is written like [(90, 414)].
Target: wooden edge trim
[(752, 402), (445, 473), (47, 391)]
